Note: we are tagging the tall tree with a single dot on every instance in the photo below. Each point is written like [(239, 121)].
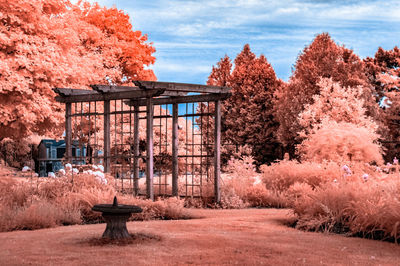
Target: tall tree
[(221, 74), (52, 43), (383, 72), (323, 58), (247, 114)]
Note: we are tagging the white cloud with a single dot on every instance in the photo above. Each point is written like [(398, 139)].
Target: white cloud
[(192, 45), (201, 32), (182, 67), (363, 11), (288, 10)]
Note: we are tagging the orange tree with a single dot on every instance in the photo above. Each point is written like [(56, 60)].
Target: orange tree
[(52, 43)]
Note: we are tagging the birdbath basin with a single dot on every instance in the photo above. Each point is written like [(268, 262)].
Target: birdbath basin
[(116, 216)]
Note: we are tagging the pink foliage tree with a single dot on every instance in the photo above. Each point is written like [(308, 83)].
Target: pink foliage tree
[(337, 103), (335, 127), (323, 58)]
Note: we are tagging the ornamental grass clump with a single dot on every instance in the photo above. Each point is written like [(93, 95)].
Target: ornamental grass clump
[(49, 202), (363, 208), (283, 174), (242, 186)]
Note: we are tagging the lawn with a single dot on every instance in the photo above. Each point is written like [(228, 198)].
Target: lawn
[(243, 237)]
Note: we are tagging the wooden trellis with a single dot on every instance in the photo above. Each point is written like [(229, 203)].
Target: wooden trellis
[(91, 109)]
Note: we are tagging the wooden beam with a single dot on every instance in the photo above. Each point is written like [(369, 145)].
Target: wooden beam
[(175, 165), (114, 88), (136, 150), (183, 99), (68, 92), (217, 152), (68, 133), (149, 150), (95, 96), (106, 136), (174, 93), (172, 86)]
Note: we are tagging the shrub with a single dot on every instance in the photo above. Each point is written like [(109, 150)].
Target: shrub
[(368, 208), (51, 202), (243, 187), (283, 174), (335, 103), (16, 153), (239, 178), (341, 142), (260, 196)]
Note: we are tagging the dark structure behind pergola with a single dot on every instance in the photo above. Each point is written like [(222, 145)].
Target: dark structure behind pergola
[(89, 105)]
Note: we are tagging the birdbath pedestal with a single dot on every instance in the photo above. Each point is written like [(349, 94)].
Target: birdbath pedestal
[(116, 216)]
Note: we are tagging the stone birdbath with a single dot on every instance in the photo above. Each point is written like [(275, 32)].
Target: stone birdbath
[(116, 216)]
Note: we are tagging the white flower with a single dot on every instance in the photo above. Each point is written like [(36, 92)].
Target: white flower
[(68, 166), (94, 167), (26, 169), (75, 171), (100, 167), (100, 177), (51, 174), (334, 180), (99, 174), (61, 172), (365, 177)]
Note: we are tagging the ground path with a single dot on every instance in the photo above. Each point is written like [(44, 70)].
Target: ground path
[(243, 237)]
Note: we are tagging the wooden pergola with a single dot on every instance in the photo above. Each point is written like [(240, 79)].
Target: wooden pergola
[(146, 94)]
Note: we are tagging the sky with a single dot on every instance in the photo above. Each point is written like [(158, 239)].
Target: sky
[(192, 36)]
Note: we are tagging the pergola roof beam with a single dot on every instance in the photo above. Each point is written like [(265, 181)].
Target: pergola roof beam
[(115, 88), (79, 96), (182, 99), (172, 86), (70, 92)]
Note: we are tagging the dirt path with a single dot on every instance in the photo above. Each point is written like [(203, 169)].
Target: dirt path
[(243, 237)]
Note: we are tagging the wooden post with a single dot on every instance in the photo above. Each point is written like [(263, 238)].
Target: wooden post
[(149, 152), (68, 133), (217, 151), (136, 150), (107, 136), (175, 166)]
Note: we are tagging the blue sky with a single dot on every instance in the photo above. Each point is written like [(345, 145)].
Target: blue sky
[(192, 36)]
